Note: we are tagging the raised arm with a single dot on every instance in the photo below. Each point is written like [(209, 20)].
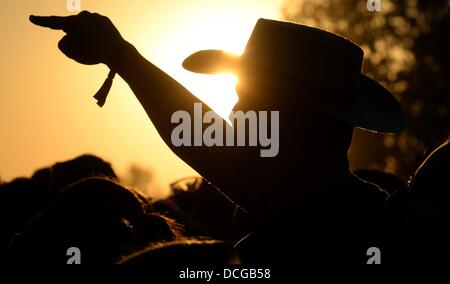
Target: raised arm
[(159, 94), (92, 39)]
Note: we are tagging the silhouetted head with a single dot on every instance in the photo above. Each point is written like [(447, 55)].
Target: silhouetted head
[(154, 227), (285, 64), (61, 174), (100, 217), (209, 211), (96, 215), (43, 177), (189, 226), (100, 196)]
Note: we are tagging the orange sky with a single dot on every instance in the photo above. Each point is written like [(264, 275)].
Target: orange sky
[(47, 112)]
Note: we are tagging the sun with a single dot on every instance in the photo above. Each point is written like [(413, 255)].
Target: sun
[(217, 91)]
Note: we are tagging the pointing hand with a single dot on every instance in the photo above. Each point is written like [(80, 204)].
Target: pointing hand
[(90, 38)]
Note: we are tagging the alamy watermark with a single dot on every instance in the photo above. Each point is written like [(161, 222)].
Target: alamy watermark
[(74, 255), (218, 133), (73, 5), (374, 254), (374, 5)]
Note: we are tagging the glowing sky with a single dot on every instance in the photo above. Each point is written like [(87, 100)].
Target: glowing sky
[(47, 112)]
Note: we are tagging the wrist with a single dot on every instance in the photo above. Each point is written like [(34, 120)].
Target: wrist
[(118, 55)]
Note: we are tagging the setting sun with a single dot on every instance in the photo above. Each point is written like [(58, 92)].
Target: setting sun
[(228, 30)]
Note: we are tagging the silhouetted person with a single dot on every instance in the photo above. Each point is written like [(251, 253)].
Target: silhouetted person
[(305, 201), (209, 212), (98, 216), (24, 198), (152, 227)]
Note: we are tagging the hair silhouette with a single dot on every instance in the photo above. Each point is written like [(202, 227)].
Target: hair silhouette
[(98, 216)]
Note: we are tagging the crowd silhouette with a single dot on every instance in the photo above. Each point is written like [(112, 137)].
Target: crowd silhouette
[(303, 205)]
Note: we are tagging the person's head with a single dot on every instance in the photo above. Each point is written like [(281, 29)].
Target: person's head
[(96, 215), (313, 79), (207, 211), (64, 173), (154, 227), (168, 208)]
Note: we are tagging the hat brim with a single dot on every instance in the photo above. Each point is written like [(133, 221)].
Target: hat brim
[(376, 108), (212, 62)]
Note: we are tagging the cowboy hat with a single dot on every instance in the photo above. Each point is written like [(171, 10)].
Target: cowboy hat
[(317, 67)]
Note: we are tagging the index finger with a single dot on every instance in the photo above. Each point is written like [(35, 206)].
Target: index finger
[(53, 22)]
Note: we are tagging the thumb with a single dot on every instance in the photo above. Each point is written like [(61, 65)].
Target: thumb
[(68, 47), (71, 47)]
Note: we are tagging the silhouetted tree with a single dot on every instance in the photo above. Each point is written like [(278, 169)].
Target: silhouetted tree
[(407, 47)]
